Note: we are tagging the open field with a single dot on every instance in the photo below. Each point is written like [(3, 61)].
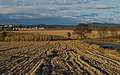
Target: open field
[(61, 32), (57, 58), (36, 53), (49, 32)]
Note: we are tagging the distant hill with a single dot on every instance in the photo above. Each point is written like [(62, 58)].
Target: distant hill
[(104, 24), (94, 24)]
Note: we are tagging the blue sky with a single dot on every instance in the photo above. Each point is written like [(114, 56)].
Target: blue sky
[(59, 11)]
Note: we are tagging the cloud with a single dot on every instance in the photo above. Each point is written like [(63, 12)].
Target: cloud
[(45, 20), (33, 2), (24, 16), (99, 6), (104, 20), (87, 15), (76, 10), (16, 16), (29, 9), (68, 2), (116, 12)]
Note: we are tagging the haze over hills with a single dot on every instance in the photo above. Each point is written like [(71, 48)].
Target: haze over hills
[(95, 24)]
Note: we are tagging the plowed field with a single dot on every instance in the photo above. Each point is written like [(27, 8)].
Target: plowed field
[(57, 58)]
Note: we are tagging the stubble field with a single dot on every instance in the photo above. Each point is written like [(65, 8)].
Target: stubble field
[(57, 58)]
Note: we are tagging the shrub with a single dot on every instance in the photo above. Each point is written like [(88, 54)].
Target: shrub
[(3, 34), (68, 34), (29, 37)]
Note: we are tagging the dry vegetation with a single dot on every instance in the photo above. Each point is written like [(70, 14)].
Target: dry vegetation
[(57, 58), (49, 32), (33, 53), (26, 36), (94, 34)]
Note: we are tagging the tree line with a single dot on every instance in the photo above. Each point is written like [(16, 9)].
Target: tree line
[(83, 29)]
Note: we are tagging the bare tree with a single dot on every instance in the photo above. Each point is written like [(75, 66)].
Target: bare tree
[(82, 30)]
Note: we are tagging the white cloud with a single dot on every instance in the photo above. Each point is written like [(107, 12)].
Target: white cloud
[(6, 10), (99, 6), (21, 16), (19, 9), (25, 2)]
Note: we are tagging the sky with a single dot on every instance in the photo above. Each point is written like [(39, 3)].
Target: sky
[(67, 12)]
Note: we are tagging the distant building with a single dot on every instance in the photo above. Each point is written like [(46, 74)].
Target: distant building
[(1, 28), (41, 28), (9, 28), (10, 25)]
